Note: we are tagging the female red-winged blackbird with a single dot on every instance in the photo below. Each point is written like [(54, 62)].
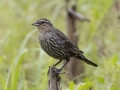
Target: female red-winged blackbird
[(57, 45)]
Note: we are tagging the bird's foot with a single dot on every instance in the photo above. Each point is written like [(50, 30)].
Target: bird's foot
[(57, 71), (66, 72)]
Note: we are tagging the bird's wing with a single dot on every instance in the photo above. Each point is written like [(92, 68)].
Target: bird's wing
[(67, 43)]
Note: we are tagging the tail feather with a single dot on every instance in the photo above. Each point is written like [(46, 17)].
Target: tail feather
[(81, 57)]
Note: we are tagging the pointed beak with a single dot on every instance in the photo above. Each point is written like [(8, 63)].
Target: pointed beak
[(35, 24)]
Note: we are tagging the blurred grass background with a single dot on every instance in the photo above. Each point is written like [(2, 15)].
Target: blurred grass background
[(24, 65)]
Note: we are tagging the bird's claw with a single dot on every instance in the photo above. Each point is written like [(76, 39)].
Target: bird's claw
[(57, 71)]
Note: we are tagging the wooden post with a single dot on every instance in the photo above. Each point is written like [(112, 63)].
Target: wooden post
[(54, 80)]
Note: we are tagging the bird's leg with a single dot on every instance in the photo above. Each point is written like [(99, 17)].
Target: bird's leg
[(58, 62), (59, 70), (64, 64)]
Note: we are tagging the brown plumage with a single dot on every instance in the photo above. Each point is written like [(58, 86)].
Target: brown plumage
[(57, 45)]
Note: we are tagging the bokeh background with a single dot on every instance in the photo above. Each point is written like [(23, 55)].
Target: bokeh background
[(24, 65)]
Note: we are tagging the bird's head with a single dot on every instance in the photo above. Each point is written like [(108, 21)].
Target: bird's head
[(42, 24)]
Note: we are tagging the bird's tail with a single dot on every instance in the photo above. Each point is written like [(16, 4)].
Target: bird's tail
[(81, 57)]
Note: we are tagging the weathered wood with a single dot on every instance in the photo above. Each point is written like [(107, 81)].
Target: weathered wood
[(54, 80)]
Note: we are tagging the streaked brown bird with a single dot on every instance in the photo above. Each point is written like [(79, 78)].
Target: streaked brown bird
[(57, 45)]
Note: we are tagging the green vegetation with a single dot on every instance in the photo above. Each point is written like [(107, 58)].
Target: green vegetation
[(23, 64)]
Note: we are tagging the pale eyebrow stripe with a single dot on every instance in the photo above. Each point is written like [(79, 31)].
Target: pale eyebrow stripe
[(42, 20), (47, 21)]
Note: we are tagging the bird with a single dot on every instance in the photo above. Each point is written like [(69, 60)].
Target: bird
[(57, 45)]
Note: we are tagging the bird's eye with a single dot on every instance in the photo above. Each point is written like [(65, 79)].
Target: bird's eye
[(42, 22)]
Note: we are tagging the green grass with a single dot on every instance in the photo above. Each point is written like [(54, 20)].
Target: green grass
[(24, 65)]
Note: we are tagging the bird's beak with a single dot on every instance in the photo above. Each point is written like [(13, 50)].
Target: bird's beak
[(35, 24)]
